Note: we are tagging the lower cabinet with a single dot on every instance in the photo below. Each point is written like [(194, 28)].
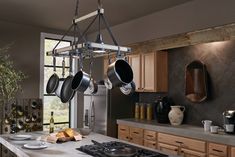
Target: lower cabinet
[(174, 150), (232, 151), (219, 150)]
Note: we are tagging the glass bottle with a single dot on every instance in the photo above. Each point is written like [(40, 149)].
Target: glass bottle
[(142, 111), (137, 110), (51, 129), (149, 112)]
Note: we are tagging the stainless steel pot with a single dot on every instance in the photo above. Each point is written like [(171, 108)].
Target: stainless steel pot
[(120, 73), (128, 89), (58, 90), (81, 80)]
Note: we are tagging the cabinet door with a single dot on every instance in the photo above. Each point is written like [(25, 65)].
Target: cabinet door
[(135, 63), (150, 135), (150, 144), (191, 153), (232, 151), (168, 148), (218, 149), (149, 72), (123, 132), (138, 141)]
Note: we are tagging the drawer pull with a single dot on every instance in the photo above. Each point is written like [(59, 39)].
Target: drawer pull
[(216, 150), (179, 142), (154, 144), (127, 137), (135, 132), (150, 135), (123, 129)]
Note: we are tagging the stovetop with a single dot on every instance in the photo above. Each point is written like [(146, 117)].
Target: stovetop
[(97, 151)]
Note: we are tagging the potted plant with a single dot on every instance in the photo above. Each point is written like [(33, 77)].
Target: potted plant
[(10, 79)]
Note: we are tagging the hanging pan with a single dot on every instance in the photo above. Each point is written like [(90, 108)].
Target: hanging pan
[(61, 81), (93, 86), (67, 93), (120, 73), (53, 81), (81, 80)]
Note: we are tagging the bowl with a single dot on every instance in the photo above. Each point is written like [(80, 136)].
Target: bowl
[(84, 131)]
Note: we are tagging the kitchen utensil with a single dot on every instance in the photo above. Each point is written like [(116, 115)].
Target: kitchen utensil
[(122, 151), (229, 128), (7, 119), (34, 104), (34, 118), (176, 115), (81, 80), (229, 118), (20, 124), (206, 124), (53, 81), (162, 109), (196, 81), (20, 137), (85, 131), (67, 93), (27, 118), (214, 129), (120, 73), (35, 145), (61, 81), (93, 86), (108, 83), (19, 111), (128, 89)]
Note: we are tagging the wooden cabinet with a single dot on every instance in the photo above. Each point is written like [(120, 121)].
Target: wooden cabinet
[(123, 132), (136, 135), (183, 146), (219, 150), (150, 139), (150, 71), (232, 151)]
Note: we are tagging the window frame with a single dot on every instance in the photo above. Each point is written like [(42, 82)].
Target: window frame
[(73, 107)]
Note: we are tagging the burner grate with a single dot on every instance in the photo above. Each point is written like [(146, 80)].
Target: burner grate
[(96, 151)]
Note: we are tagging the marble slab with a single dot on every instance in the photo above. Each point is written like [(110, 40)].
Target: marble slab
[(181, 130)]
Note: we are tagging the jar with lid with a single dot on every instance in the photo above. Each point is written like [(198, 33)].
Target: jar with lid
[(137, 110), (149, 112), (142, 111)]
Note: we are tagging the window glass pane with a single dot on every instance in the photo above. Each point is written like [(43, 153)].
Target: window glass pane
[(49, 45), (48, 71), (61, 110)]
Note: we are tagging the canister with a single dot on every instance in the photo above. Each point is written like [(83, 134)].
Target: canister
[(142, 111), (149, 112), (137, 110)]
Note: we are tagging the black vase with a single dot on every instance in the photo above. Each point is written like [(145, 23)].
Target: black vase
[(162, 108)]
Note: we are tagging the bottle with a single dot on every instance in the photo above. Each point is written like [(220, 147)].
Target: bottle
[(149, 112), (137, 110), (51, 129), (142, 111)]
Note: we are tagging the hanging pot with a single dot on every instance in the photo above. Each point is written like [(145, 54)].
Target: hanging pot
[(81, 80), (128, 89), (120, 73), (67, 93), (53, 81), (61, 81), (108, 83), (93, 86)]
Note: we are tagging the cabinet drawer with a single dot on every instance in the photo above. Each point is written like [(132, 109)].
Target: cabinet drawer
[(168, 148), (136, 132), (218, 149), (182, 142), (191, 153), (123, 129), (138, 141), (150, 135), (232, 151), (150, 144)]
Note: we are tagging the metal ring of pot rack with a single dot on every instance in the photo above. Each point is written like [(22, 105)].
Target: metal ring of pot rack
[(81, 45)]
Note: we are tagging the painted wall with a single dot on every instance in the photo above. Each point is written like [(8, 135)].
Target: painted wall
[(25, 53), (194, 15), (219, 58)]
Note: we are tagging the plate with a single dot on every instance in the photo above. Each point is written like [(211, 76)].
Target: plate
[(20, 137), (36, 145)]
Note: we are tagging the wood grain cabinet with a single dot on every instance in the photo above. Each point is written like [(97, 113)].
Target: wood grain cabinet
[(150, 139), (219, 150), (150, 71), (232, 152), (181, 146), (123, 133)]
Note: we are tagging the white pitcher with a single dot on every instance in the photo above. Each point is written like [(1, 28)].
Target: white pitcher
[(176, 115)]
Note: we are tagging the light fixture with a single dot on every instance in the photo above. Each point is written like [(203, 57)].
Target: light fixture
[(99, 48)]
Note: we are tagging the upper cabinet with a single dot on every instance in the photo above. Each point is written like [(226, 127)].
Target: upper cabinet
[(150, 71)]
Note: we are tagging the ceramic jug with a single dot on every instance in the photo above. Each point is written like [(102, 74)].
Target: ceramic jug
[(176, 115)]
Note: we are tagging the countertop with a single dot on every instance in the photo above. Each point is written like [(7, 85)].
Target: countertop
[(181, 130), (67, 149)]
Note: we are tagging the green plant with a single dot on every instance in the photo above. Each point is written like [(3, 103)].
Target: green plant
[(10, 78)]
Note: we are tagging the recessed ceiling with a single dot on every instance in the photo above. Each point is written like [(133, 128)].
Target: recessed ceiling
[(57, 14)]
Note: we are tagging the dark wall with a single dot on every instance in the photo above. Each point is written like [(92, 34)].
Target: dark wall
[(219, 58)]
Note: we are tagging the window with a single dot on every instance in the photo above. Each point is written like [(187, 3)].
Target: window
[(51, 102)]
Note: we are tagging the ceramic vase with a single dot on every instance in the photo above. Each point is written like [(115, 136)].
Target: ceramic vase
[(176, 115)]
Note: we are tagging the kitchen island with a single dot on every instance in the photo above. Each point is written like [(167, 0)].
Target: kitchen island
[(67, 149)]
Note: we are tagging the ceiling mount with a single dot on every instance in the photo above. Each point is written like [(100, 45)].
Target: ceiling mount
[(99, 48)]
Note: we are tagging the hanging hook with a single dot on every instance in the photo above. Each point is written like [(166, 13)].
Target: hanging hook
[(99, 4)]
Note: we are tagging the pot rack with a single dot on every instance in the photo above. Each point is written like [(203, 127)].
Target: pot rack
[(84, 48)]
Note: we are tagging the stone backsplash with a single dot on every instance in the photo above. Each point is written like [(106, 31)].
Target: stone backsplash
[(219, 58)]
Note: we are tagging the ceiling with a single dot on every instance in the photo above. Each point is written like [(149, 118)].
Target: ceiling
[(57, 14)]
